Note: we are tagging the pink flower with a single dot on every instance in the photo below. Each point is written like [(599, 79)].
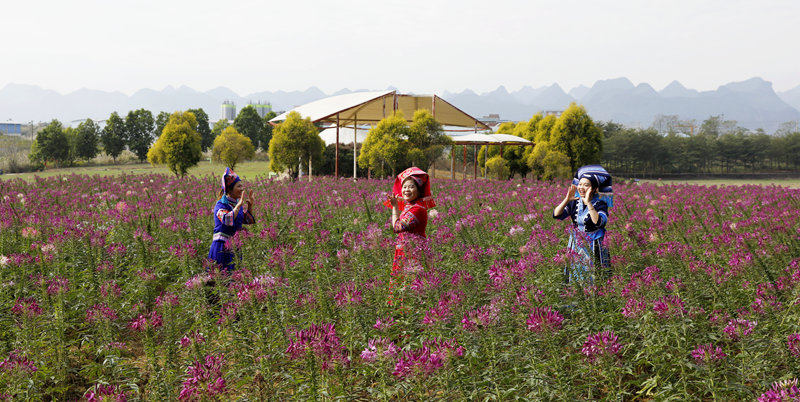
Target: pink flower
[(707, 353), (17, 362), (321, 342), (634, 307), (793, 342), (27, 306), (103, 393), (381, 324), (781, 391), (669, 306), (544, 319), (379, 348), (739, 328), (57, 285), (100, 312), (601, 344), (205, 380)]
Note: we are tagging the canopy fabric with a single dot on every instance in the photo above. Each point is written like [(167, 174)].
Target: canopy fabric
[(489, 139), (372, 107), (328, 135)]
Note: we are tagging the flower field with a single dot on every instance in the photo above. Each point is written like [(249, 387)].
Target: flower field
[(105, 294)]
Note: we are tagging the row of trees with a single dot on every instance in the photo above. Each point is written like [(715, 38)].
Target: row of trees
[(63, 146), (561, 145), (717, 146)]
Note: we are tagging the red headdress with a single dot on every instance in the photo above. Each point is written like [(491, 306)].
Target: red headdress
[(423, 183)]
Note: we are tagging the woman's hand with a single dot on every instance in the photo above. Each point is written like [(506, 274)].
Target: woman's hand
[(393, 200), (250, 201), (571, 193), (587, 198)]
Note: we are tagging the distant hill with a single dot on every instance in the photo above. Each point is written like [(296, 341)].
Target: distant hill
[(752, 103)]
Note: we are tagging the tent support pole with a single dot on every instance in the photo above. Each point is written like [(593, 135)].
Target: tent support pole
[(336, 158), (475, 161), (355, 145), (453, 161), (464, 177)]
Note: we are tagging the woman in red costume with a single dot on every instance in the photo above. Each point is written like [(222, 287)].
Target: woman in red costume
[(410, 199)]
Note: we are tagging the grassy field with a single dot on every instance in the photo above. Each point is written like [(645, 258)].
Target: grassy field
[(256, 168), (246, 170)]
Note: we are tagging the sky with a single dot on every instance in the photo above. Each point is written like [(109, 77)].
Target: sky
[(427, 46)]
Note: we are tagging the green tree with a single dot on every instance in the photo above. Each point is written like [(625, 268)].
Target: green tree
[(426, 138), (386, 144), (161, 120), (266, 133), (231, 147), (51, 145), (139, 126), (295, 141), (219, 126), (576, 136), (249, 123), (203, 128), (497, 168), (87, 139), (113, 136), (179, 146)]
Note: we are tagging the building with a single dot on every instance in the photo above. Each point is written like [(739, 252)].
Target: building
[(10, 128), (228, 110), (261, 108)]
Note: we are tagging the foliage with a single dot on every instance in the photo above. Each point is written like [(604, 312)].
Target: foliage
[(574, 134), (426, 139), (87, 139), (179, 146), (549, 164), (386, 146), (114, 136), (497, 167), (139, 126), (718, 147), (249, 123), (266, 134), (219, 126), (161, 121), (203, 128), (295, 141), (231, 147), (51, 145)]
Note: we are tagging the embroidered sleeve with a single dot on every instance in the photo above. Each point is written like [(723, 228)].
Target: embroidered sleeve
[(406, 222), (225, 216), (602, 210), (566, 212)]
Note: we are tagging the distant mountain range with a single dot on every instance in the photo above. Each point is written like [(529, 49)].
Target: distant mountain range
[(752, 103)]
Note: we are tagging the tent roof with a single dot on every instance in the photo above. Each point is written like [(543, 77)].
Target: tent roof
[(489, 139), (328, 135), (372, 107)]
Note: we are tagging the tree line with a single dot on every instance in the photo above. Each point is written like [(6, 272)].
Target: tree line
[(717, 146), (56, 145)]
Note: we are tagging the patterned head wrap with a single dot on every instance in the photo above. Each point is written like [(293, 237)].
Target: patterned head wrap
[(600, 178), (423, 183), (229, 179)]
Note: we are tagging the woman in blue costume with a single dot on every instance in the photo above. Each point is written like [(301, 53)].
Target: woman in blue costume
[(589, 214), (230, 213)]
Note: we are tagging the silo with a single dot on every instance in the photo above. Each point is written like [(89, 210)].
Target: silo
[(228, 110), (261, 108)]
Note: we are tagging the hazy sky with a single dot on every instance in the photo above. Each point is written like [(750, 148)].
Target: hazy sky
[(424, 46)]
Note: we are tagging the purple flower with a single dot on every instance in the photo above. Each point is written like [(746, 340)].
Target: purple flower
[(205, 380), (793, 342), (427, 359), (100, 312), (781, 391), (17, 362), (669, 306), (57, 285), (348, 294), (379, 348), (319, 341), (634, 307), (487, 315), (27, 306), (544, 319), (601, 344), (142, 323), (381, 324), (103, 393), (739, 328), (707, 353)]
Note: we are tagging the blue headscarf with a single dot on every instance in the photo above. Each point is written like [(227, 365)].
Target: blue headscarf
[(599, 177), (229, 179)]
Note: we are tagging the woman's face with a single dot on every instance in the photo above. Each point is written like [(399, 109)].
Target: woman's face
[(237, 190), (409, 190), (584, 186)]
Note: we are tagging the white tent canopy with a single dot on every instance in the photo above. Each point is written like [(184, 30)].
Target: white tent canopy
[(328, 135), (372, 107)]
